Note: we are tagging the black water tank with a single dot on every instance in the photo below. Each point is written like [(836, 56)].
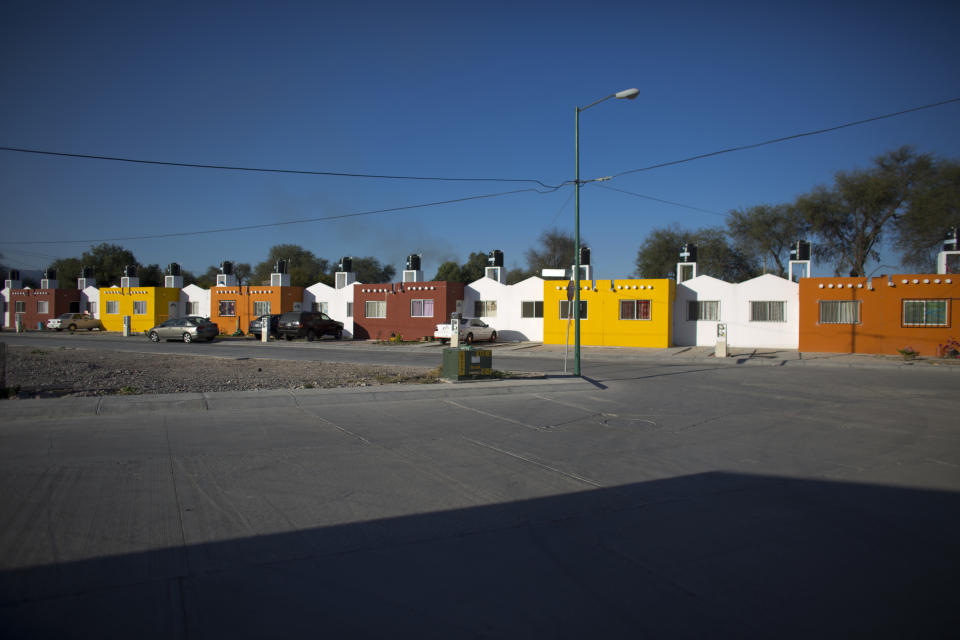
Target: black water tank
[(130, 271), (14, 274), (346, 264), (50, 274), (951, 241), (413, 262), (800, 251), (495, 259), (280, 267), (584, 256), (688, 252), (226, 268), (173, 269), (86, 272)]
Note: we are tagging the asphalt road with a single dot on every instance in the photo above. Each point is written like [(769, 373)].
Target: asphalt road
[(651, 501)]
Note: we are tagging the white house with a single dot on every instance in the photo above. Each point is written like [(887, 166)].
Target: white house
[(194, 301), (762, 312), (514, 310), (336, 303)]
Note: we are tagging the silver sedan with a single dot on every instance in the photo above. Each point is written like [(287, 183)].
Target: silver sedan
[(187, 329)]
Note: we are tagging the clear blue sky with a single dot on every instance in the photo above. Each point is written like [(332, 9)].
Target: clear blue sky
[(443, 89)]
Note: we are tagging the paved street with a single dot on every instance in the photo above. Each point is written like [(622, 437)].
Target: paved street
[(655, 499)]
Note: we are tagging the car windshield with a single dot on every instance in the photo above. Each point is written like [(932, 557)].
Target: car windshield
[(67, 316)]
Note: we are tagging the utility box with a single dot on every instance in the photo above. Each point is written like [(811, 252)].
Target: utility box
[(721, 348), (126, 326), (467, 364)]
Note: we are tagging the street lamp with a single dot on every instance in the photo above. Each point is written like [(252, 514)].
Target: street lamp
[(628, 94)]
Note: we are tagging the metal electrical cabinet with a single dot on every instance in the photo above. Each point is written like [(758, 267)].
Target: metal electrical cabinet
[(467, 364)]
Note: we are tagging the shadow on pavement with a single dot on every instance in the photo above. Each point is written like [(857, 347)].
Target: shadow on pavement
[(708, 555)]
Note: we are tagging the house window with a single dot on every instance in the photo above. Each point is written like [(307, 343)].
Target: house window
[(839, 312), (113, 306), (375, 308), (43, 306), (92, 308), (261, 307), (703, 310), (228, 307), (565, 309), (322, 307), (531, 309), (485, 309), (193, 308), (20, 306), (768, 311), (349, 309), (421, 308), (634, 309), (139, 307), (925, 313)]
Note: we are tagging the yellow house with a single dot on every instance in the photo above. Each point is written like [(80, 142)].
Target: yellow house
[(614, 313), (146, 306)]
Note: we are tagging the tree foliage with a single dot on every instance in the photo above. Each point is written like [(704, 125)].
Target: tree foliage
[(659, 254), (448, 271), (471, 270), (554, 251), (369, 270), (107, 261), (767, 231), (934, 207), (851, 217), (304, 267)]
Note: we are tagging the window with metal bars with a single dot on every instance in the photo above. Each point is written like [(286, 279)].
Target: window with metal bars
[(925, 313), (839, 312), (768, 311)]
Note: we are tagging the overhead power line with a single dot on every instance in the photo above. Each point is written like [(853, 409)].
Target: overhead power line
[(785, 138), (676, 204), (305, 172), (288, 222)]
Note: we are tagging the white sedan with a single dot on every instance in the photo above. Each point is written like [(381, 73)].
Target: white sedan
[(73, 321)]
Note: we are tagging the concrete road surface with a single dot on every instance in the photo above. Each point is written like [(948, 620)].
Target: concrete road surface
[(653, 501)]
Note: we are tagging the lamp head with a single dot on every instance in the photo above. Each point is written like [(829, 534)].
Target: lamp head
[(629, 94)]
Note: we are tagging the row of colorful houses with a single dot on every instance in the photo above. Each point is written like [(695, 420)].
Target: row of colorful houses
[(849, 315)]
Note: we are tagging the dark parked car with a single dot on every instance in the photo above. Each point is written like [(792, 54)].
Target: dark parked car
[(187, 329), (308, 324), (256, 323)]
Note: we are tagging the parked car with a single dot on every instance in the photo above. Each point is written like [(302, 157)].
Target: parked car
[(187, 329), (308, 324), (73, 321), (256, 323), (471, 330)]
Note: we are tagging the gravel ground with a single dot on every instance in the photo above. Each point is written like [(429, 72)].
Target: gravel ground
[(78, 372)]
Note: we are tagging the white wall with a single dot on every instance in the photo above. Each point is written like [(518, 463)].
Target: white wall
[(336, 300), (193, 293), (735, 312), (6, 306), (91, 295), (508, 322)]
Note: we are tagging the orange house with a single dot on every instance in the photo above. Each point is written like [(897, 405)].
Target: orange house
[(233, 307), (880, 314)]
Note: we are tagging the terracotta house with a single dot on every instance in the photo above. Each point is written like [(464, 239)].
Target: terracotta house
[(408, 309), (232, 307), (36, 306), (880, 314)]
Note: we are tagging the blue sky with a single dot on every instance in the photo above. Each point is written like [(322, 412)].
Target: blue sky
[(443, 89)]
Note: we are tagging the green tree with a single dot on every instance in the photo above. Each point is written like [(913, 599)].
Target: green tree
[(934, 207), (660, 252), (108, 261), (369, 270), (851, 217), (304, 267), (554, 251), (68, 270), (150, 275), (449, 272), (767, 232)]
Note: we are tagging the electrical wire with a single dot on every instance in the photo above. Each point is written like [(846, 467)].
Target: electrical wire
[(676, 204), (785, 138), (288, 222), (194, 165)]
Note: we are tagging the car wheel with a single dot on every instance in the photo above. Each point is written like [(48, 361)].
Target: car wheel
[(72, 327), (469, 338), (311, 336), (444, 340), (338, 334), (89, 328), (154, 336), (187, 337), (493, 337), (59, 329), (288, 337)]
